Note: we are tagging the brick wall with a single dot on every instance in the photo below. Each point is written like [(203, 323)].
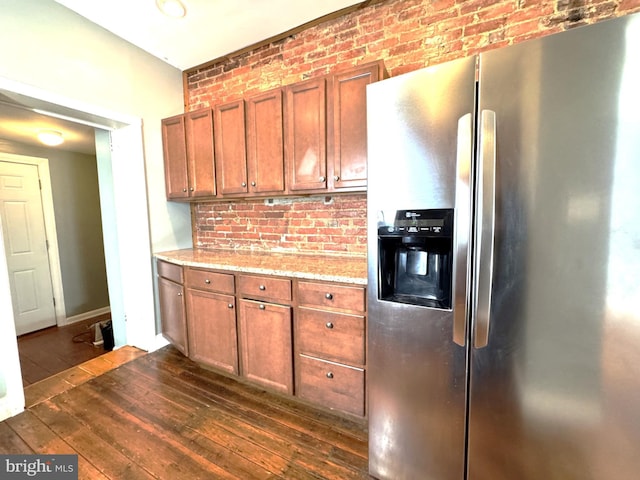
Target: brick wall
[(407, 35), (335, 224)]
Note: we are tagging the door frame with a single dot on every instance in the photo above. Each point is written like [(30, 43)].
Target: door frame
[(53, 252)]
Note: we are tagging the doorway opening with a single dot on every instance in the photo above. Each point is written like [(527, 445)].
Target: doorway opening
[(120, 164)]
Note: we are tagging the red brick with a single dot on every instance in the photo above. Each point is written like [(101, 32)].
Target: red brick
[(407, 34)]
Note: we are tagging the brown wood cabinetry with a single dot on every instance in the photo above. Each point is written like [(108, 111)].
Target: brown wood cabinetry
[(231, 151), (200, 157), (211, 319), (189, 155), (301, 337), (347, 126), (172, 304), (330, 346), (265, 344), (174, 146), (265, 143), (306, 136), (310, 137), (265, 335)]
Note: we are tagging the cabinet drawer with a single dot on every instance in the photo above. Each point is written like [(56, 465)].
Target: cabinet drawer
[(170, 271), (209, 281), (276, 289), (336, 336), (332, 296), (331, 384)]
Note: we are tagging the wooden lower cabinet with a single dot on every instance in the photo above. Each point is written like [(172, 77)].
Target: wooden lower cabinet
[(331, 384), (173, 314), (213, 338), (266, 354), (174, 322), (298, 337), (330, 345)]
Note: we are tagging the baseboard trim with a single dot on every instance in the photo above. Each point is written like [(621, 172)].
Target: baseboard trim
[(86, 315)]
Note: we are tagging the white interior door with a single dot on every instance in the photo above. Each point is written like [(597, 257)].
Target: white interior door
[(26, 247)]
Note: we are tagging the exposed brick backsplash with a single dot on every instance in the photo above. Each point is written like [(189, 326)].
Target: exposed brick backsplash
[(323, 224), (407, 35)]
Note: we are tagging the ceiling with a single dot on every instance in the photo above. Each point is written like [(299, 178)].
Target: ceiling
[(210, 29)]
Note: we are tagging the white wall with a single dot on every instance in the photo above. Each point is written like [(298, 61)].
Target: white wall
[(49, 52), (11, 394)]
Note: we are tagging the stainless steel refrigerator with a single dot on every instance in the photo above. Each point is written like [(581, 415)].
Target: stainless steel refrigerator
[(504, 263)]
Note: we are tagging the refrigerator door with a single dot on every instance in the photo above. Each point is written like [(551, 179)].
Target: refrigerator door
[(553, 394), (420, 145)]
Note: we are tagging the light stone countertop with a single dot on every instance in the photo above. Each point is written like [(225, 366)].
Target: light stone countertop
[(330, 268)]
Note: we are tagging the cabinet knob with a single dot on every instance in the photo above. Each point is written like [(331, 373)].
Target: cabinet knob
[(244, 184), (191, 189), (230, 305), (262, 287), (336, 178), (322, 179), (329, 374), (262, 307), (179, 294), (184, 189), (328, 296), (253, 184), (329, 325), (207, 281)]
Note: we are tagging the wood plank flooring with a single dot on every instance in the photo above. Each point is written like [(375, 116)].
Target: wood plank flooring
[(161, 416), (52, 350)]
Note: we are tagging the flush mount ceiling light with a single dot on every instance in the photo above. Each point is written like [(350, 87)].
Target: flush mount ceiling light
[(50, 137), (172, 8)]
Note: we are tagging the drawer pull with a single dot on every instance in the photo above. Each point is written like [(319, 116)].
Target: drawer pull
[(262, 307), (262, 287), (328, 296), (207, 281), (329, 374), (230, 305), (329, 325)]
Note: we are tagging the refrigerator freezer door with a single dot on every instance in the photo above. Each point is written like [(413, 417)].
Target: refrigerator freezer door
[(553, 394), (416, 372)]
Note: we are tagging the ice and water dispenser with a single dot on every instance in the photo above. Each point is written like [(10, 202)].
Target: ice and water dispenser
[(415, 264)]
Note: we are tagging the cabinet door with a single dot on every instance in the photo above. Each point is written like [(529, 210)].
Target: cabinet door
[(172, 313), (265, 143), (347, 123), (265, 344), (231, 157), (199, 132), (175, 157), (213, 338), (306, 136)]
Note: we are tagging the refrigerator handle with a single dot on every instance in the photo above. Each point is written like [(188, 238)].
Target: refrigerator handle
[(461, 230), (485, 232)]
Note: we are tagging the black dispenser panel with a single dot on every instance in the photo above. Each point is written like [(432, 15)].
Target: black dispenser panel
[(415, 264)]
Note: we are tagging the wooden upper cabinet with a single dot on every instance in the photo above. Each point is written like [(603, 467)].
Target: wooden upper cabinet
[(347, 124), (231, 156), (306, 137), (175, 157), (265, 143), (188, 155), (200, 158)]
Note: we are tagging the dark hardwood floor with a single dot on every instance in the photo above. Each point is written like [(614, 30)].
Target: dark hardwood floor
[(52, 350), (162, 416)]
